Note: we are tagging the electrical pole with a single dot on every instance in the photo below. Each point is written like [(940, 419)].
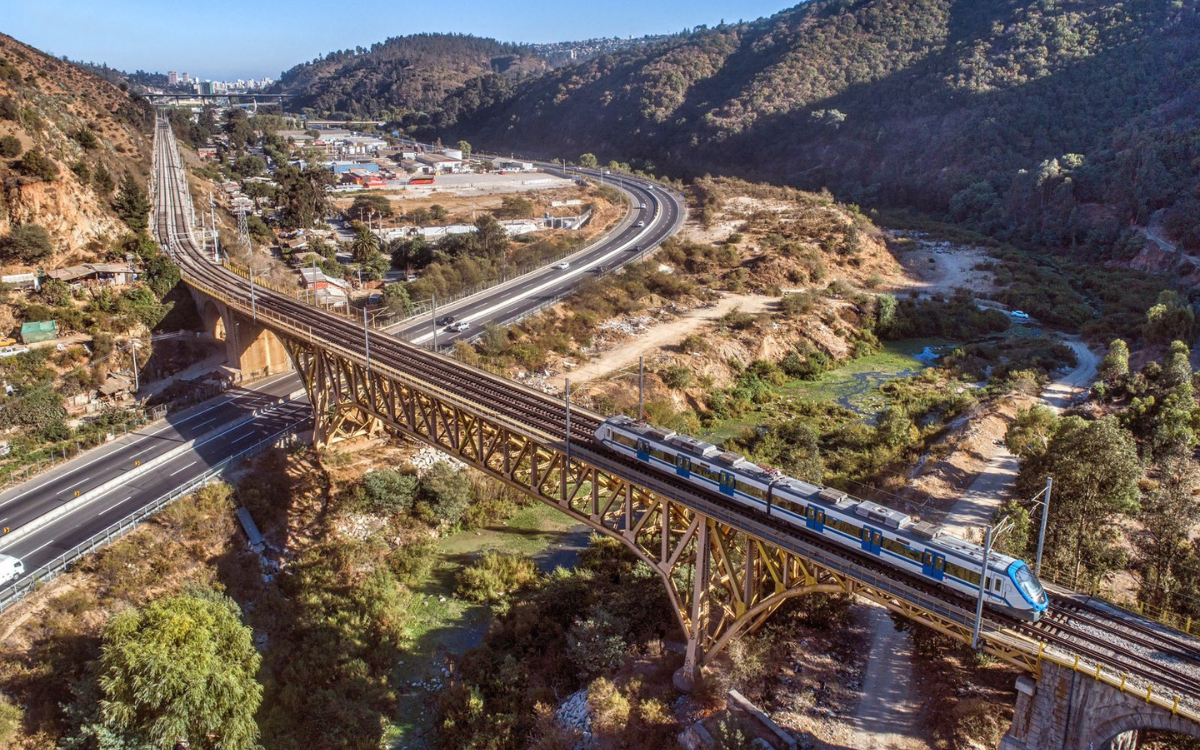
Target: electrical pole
[(433, 319), (983, 587), (253, 301), (1037, 565), (567, 398), (641, 387), (367, 338)]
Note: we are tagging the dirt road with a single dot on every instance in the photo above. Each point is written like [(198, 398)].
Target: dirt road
[(974, 510), (888, 713), (627, 352)]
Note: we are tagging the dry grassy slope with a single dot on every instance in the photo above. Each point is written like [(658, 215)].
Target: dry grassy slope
[(789, 240), (56, 99)]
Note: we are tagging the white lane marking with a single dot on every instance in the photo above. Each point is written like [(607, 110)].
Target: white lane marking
[(243, 437), (142, 435), (115, 505), (579, 270), (39, 549), (173, 473)]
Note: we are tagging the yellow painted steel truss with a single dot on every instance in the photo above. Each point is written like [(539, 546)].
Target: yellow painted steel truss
[(721, 581)]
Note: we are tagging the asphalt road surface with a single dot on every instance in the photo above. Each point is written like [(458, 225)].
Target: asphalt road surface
[(42, 494), (43, 545), (512, 300)]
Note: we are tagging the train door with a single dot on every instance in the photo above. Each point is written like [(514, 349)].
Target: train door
[(933, 565), (872, 540), (728, 483), (814, 518), (683, 465), (643, 450)]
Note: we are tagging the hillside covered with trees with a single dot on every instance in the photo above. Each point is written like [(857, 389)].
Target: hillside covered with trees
[(1057, 123), (402, 77)]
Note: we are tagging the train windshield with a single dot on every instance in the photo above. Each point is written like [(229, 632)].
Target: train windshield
[(1030, 585)]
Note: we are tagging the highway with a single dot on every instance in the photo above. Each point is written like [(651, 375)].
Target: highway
[(44, 544), (663, 216), (46, 492)]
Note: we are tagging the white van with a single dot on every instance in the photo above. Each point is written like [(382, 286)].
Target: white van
[(10, 568)]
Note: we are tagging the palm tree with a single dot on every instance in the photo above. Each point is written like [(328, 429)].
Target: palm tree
[(364, 244)]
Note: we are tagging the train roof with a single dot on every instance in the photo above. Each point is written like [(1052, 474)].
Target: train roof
[(934, 535)]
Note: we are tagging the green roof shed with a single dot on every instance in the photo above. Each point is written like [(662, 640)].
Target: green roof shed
[(41, 330)]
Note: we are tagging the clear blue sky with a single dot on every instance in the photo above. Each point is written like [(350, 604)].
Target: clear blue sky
[(223, 39)]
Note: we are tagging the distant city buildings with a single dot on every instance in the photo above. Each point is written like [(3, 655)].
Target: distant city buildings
[(172, 78), (563, 53)]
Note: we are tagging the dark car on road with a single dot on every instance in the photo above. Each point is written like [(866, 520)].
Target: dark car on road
[(445, 320)]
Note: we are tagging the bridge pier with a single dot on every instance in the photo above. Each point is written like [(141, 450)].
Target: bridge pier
[(1067, 709), (249, 347)]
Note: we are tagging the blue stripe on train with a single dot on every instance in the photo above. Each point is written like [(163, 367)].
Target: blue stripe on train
[(776, 509)]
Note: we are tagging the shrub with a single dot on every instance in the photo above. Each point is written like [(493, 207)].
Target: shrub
[(388, 491), (10, 147), (412, 562), (36, 164), (10, 721), (444, 495), (494, 576), (596, 643), (677, 377), (86, 138), (26, 243)]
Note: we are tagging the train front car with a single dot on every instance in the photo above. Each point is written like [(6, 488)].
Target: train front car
[(1030, 590)]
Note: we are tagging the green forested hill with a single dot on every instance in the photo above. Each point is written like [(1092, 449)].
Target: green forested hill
[(1056, 121), (1053, 120), (400, 76)]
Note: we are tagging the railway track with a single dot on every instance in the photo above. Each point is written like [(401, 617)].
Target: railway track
[(1141, 651)]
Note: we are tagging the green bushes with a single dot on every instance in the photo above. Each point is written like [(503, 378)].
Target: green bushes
[(26, 243), (10, 147), (494, 577), (676, 377), (444, 495), (387, 491), (35, 164)]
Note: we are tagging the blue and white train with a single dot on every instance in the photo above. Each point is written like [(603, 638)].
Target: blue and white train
[(918, 548)]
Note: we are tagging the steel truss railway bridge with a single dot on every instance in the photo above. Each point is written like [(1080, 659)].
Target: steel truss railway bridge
[(725, 568)]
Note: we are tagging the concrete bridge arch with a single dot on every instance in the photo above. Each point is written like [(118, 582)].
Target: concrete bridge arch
[(252, 348)]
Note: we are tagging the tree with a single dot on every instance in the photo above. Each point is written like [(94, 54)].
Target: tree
[(395, 296), (1096, 472), (26, 243), (366, 207), (103, 181), (249, 166), (1115, 367), (132, 205), (303, 196), (10, 147), (588, 161), (1029, 435), (1169, 512), (36, 164), (794, 448), (1171, 319), (365, 244), (181, 668), (86, 138)]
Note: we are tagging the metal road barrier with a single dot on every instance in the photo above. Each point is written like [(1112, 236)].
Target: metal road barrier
[(10, 595)]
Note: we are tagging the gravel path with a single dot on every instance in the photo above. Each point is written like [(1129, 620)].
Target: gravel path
[(888, 716)]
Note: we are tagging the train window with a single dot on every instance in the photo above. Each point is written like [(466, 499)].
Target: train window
[(624, 440), (962, 573), (901, 549), (754, 492)]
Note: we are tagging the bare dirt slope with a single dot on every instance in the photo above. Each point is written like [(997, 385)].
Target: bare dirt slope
[(661, 336)]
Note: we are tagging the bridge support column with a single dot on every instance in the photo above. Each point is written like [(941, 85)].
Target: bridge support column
[(1069, 710), (249, 347), (685, 677)]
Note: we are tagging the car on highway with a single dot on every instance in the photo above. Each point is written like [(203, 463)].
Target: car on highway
[(446, 320), (643, 206), (1019, 315), (636, 249), (563, 266), (460, 326), (640, 224), (10, 568)]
